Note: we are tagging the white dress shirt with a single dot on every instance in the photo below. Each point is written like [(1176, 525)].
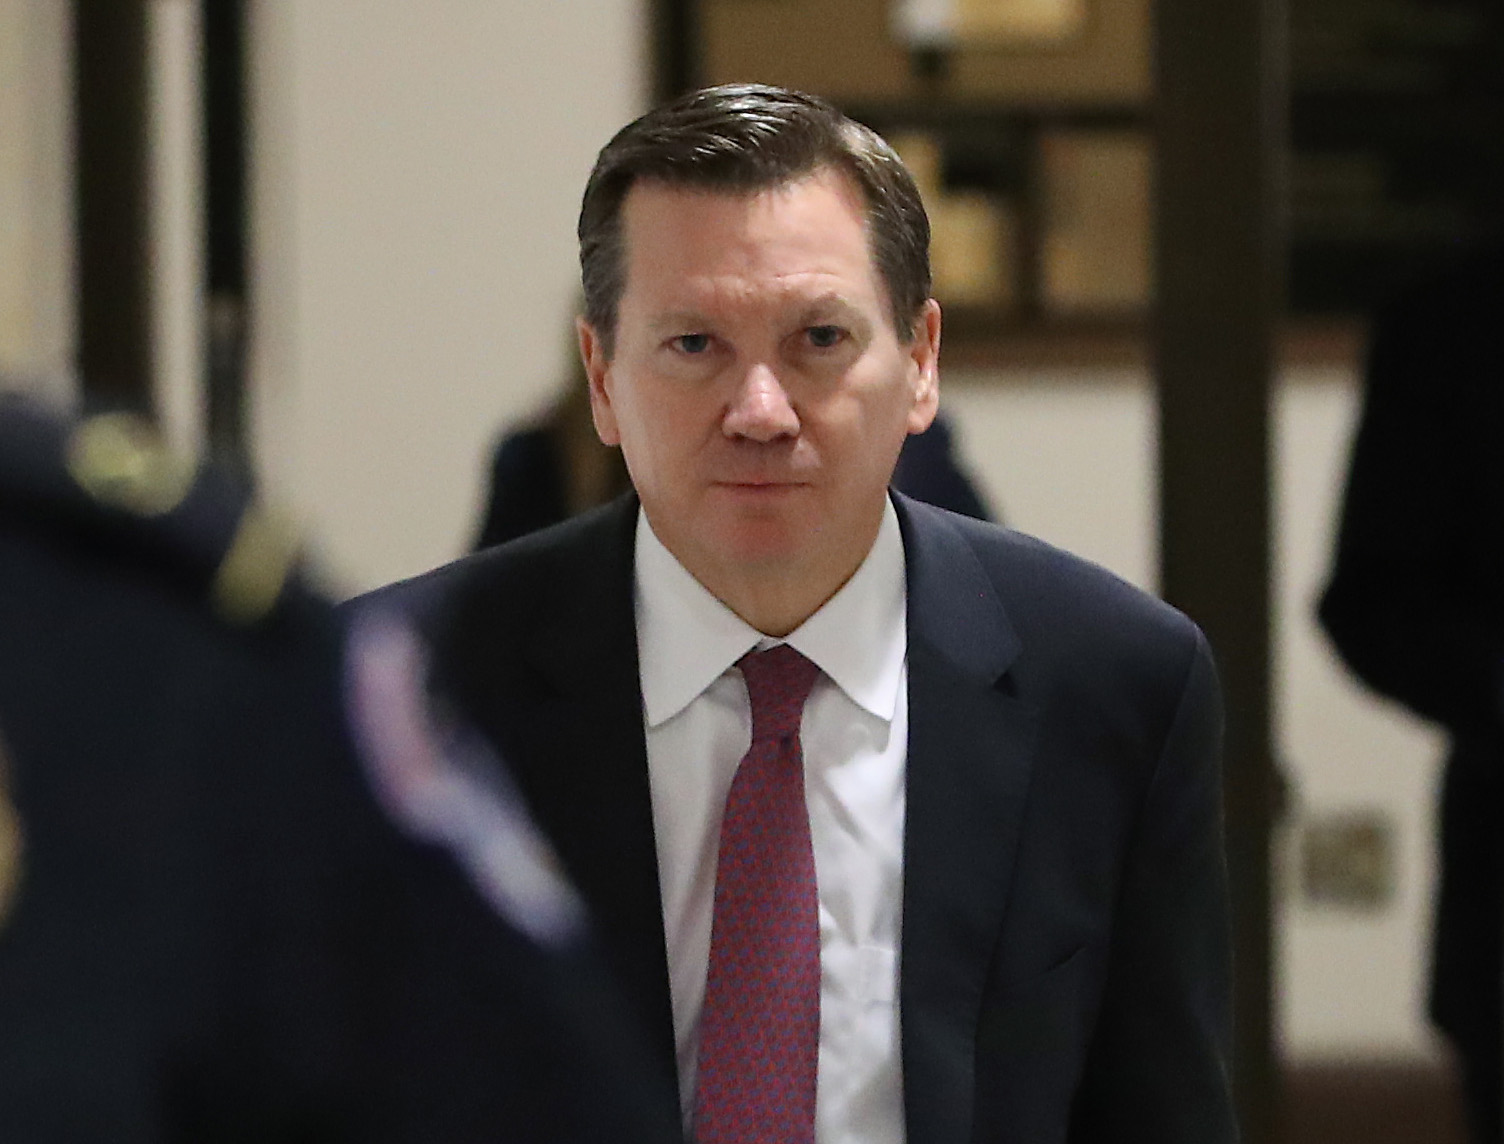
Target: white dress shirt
[(855, 738)]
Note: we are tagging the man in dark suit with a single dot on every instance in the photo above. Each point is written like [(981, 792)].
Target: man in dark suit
[(208, 929), (897, 825), (1416, 606)]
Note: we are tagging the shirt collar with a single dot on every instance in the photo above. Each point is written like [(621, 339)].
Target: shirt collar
[(686, 638)]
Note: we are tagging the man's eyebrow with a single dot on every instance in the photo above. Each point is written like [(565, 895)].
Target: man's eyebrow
[(830, 305), (678, 321)]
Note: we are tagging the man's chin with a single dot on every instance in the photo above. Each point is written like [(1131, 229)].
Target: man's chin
[(765, 547)]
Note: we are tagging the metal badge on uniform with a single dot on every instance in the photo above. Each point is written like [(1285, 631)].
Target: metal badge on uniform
[(119, 460), (10, 841), (255, 568), (446, 787)]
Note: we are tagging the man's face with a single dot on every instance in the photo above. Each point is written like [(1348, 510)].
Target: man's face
[(758, 389)]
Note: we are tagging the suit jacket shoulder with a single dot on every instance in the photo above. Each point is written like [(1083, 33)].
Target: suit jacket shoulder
[(1062, 612), (559, 562)]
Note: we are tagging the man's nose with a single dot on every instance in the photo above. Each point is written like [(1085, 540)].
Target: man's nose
[(760, 409)]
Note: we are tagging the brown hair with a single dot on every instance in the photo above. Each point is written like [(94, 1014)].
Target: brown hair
[(744, 138)]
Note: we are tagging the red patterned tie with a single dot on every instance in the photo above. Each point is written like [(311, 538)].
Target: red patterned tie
[(760, 1028)]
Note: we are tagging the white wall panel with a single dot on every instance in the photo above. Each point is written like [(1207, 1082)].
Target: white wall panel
[(419, 167), (1069, 457)]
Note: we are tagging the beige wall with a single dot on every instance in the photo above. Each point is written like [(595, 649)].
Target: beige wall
[(35, 203), (419, 168), (1068, 455)]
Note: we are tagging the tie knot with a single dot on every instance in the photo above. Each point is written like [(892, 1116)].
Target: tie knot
[(778, 683)]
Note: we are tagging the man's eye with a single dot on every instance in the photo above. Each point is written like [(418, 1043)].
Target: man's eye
[(692, 343), (823, 337)]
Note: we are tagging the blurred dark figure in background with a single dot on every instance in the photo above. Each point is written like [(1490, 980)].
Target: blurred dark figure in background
[(208, 928), (1416, 607), (928, 471), (557, 467), (544, 472)]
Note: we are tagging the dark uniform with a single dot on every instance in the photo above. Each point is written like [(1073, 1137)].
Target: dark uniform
[(208, 928), (1415, 605)]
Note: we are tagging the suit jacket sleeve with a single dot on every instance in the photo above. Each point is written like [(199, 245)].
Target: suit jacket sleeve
[(1157, 1069)]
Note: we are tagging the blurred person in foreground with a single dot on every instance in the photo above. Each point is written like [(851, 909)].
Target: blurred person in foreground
[(209, 929), (1415, 604), (896, 825)]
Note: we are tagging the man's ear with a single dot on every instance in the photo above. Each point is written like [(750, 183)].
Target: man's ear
[(597, 371), (924, 355)]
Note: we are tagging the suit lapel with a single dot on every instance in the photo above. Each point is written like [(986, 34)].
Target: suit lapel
[(971, 744), (567, 713)]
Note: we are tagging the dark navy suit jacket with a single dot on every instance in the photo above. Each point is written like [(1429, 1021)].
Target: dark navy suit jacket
[(1064, 958)]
